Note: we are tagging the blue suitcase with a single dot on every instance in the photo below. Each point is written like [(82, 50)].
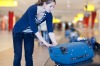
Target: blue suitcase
[(71, 53)]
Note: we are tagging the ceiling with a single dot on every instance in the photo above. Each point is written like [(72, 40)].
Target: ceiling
[(64, 9)]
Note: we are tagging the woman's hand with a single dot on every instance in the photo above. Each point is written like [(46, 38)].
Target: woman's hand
[(54, 44), (48, 45)]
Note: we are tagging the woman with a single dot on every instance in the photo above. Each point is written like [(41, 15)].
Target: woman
[(27, 26)]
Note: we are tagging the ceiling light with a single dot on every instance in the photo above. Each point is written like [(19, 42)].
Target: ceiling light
[(56, 20), (8, 3), (68, 6), (89, 7)]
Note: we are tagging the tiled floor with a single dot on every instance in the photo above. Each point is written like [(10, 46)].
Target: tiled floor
[(41, 54)]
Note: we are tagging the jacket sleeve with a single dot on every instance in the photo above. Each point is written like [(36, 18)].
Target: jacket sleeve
[(49, 22), (31, 15)]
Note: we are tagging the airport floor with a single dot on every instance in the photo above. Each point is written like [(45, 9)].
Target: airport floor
[(41, 55)]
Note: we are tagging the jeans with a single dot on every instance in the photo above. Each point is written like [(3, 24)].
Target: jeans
[(18, 39)]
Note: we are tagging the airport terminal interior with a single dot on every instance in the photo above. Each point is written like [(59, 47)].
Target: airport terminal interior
[(80, 16)]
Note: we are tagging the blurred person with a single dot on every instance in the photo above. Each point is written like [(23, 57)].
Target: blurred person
[(59, 27), (27, 26), (67, 30), (74, 36), (70, 31)]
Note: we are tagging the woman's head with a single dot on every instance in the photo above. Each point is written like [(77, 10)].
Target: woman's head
[(47, 4)]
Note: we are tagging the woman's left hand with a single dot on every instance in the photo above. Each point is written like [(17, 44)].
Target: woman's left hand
[(54, 44)]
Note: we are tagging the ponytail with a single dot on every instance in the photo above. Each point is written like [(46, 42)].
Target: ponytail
[(39, 2)]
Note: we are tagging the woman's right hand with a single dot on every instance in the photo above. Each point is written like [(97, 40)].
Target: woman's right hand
[(48, 45)]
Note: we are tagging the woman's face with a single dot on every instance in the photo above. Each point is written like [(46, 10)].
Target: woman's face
[(49, 7)]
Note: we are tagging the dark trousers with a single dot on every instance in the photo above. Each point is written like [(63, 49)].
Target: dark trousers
[(28, 48)]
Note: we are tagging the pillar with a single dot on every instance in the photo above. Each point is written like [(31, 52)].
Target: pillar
[(93, 16), (10, 20), (98, 17), (86, 20)]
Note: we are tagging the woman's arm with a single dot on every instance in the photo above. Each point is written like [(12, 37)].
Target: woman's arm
[(42, 39), (49, 18), (52, 37), (32, 12)]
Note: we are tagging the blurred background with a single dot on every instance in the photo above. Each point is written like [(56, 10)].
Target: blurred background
[(83, 14)]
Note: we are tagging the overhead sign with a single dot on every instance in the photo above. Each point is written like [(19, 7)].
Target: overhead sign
[(8, 3)]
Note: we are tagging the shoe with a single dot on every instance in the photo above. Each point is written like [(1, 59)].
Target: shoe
[(97, 45)]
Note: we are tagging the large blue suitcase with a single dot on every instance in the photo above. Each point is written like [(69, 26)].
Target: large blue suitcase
[(70, 53)]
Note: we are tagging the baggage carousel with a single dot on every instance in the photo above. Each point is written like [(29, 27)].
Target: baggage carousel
[(95, 61)]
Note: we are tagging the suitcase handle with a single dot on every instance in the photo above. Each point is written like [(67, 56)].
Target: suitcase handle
[(63, 50)]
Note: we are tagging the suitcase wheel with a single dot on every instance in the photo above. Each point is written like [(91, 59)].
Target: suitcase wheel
[(57, 64)]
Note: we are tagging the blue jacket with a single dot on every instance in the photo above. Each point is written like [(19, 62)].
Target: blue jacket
[(28, 19)]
